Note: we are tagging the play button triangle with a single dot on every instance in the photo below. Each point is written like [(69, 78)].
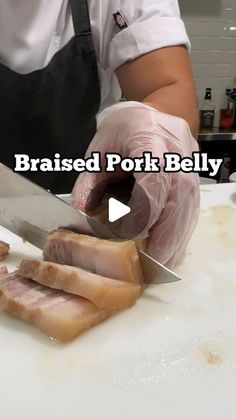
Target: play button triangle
[(117, 210)]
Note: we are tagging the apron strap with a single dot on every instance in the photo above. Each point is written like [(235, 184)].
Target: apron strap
[(80, 16)]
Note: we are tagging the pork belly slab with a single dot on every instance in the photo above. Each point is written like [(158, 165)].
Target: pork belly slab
[(3, 270), (61, 316), (4, 250), (116, 260), (102, 291)]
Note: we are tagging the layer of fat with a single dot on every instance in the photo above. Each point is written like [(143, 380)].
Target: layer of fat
[(113, 259), (102, 291), (59, 315)]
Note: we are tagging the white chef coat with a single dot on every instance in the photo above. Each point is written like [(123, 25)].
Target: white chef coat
[(31, 32)]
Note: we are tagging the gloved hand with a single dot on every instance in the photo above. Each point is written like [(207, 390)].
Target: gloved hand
[(130, 129)]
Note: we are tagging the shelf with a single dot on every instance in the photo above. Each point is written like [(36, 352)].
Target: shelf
[(217, 136)]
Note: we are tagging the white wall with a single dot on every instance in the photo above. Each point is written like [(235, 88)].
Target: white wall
[(211, 26)]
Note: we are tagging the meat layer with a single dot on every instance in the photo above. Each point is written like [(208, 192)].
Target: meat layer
[(102, 291), (4, 250), (116, 260), (61, 316), (3, 270)]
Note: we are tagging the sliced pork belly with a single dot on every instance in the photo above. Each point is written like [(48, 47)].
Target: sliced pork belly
[(4, 250), (116, 260), (3, 270), (103, 292), (61, 316)]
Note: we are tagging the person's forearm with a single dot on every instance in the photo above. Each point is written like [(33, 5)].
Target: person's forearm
[(179, 100), (164, 79)]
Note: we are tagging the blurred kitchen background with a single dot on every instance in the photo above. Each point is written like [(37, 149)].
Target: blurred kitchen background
[(211, 26)]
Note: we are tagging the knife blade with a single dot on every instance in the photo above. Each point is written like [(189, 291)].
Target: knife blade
[(32, 212)]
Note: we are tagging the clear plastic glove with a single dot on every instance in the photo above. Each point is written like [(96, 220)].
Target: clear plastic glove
[(130, 129)]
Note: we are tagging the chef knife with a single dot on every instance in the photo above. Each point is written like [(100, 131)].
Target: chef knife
[(32, 212)]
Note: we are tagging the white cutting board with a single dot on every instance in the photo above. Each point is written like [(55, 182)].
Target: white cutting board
[(173, 355)]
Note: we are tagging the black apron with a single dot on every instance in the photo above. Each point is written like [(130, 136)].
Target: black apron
[(52, 110)]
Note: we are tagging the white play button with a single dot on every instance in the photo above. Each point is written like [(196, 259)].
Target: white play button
[(116, 210)]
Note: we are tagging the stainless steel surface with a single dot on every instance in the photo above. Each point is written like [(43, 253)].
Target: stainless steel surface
[(155, 272), (32, 213), (217, 136)]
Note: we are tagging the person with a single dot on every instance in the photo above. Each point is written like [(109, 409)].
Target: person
[(64, 66)]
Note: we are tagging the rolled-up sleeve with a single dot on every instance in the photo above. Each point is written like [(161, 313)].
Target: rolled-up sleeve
[(152, 24)]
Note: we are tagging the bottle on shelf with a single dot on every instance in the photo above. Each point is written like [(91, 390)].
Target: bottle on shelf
[(207, 112), (227, 112), (233, 96)]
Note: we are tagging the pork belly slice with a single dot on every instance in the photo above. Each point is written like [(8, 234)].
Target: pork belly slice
[(103, 292), (4, 250), (61, 316), (116, 260), (3, 270)]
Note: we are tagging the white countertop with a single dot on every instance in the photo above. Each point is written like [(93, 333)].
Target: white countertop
[(173, 355)]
